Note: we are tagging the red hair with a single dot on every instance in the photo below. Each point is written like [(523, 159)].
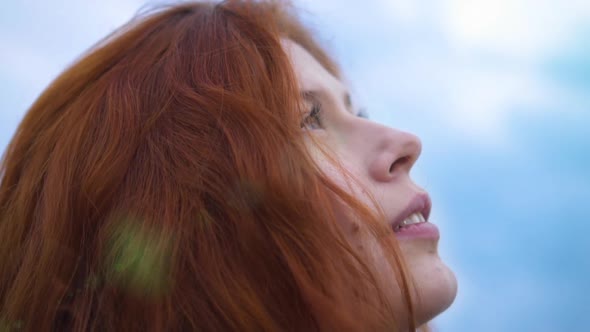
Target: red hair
[(162, 183)]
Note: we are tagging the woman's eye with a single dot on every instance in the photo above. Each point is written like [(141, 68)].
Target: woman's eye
[(313, 120), (363, 113)]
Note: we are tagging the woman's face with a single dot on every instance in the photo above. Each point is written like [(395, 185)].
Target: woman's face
[(381, 159)]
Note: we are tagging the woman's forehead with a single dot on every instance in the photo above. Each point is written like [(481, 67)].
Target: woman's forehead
[(310, 74)]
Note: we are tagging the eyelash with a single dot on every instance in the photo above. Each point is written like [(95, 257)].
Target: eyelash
[(363, 113), (316, 114)]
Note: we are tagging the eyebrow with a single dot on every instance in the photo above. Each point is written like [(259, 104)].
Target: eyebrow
[(316, 97)]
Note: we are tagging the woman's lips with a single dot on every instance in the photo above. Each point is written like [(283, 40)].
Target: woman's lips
[(423, 230), (420, 203)]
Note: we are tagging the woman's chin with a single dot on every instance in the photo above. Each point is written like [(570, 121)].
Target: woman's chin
[(435, 284)]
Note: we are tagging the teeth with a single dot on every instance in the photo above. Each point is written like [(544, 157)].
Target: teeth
[(421, 217), (414, 218)]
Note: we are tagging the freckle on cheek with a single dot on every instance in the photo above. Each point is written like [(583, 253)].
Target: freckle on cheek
[(355, 228)]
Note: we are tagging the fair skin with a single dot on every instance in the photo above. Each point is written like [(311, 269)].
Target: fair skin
[(368, 150)]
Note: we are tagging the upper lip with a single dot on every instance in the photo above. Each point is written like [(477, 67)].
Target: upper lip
[(419, 203)]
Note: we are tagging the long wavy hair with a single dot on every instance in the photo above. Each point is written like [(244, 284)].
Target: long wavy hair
[(162, 183)]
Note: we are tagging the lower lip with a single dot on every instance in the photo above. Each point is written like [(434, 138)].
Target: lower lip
[(424, 230)]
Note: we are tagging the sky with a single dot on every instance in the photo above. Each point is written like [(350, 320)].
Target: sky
[(499, 93)]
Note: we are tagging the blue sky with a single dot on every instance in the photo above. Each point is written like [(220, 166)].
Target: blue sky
[(498, 91)]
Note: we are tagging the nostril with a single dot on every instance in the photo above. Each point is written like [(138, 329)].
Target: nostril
[(398, 163)]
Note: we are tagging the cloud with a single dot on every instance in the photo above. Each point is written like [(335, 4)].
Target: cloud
[(23, 64), (527, 29), (403, 12), (473, 65), (48, 35), (44, 37), (470, 99)]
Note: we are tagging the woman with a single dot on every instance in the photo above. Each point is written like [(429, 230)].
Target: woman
[(204, 169)]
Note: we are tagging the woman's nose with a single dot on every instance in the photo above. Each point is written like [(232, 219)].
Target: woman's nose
[(396, 153)]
